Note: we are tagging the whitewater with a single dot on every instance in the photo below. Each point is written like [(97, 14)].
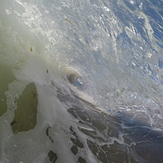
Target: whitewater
[(81, 81)]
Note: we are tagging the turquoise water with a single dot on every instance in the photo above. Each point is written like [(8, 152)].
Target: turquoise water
[(81, 81)]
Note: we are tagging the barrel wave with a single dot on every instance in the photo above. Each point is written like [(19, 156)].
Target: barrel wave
[(81, 81)]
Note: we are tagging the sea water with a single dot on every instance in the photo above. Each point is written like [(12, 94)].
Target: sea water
[(81, 81)]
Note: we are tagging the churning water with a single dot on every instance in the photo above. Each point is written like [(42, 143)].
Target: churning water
[(81, 81)]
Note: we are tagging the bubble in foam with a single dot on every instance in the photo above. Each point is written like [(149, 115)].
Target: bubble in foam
[(8, 11)]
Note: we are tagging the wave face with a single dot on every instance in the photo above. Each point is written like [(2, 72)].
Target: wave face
[(81, 81)]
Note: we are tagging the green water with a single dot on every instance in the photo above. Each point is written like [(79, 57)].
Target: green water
[(26, 112), (6, 77)]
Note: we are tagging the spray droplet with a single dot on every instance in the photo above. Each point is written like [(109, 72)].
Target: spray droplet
[(31, 49)]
